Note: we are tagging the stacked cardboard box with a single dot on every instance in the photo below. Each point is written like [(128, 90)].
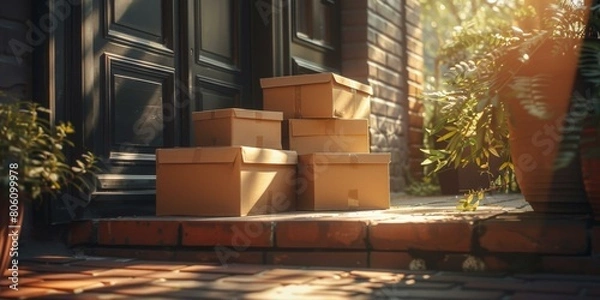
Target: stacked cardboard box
[(237, 168), (326, 123)]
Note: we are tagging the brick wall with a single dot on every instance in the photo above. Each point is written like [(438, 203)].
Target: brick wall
[(381, 46)]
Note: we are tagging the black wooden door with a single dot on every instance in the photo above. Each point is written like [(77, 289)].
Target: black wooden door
[(217, 63), (146, 65), (139, 68)]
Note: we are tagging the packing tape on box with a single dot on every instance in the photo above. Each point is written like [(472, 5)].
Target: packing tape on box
[(298, 102), (259, 141), (259, 116), (353, 198), (354, 161)]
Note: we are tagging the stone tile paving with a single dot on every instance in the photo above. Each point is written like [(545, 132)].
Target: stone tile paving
[(51, 277), (378, 239)]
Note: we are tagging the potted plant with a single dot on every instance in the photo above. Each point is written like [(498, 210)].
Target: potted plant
[(33, 166), (511, 92), (590, 133)]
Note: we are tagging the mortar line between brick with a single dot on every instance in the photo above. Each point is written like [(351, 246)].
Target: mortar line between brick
[(368, 245), (272, 238), (589, 236), (94, 237), (476, 233), (179, 233), (368, 242)]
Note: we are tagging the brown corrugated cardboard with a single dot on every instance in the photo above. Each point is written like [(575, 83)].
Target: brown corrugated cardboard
[(323, 95), (224, 181), (343, 181), (238, 127), (328, 135)]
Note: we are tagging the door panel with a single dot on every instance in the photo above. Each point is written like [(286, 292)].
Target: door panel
[(218, 39), (125, 16), (136, 109), (147, 24), (315, 36)]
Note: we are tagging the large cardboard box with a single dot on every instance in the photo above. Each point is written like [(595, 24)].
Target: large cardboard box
[(238, 127), (224, 181), (323, 95), (328, 135), (343, 181)]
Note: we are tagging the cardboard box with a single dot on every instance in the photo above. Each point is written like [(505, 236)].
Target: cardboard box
[(328, 135), (238, 127), (323, 95), (224, 181), (343, 181)]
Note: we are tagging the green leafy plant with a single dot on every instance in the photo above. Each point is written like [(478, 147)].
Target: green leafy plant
[(423, 187), (471, 200), (483, 64), (35, 150)]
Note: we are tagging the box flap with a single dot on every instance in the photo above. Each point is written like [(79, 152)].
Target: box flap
[(353, 84), (237, 113), (315, 127), (253, 155), (312, 79), (197, 155), (345, 158)]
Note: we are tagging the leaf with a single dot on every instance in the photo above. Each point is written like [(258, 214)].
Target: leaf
[(470, 197), (446, 136), (427, 162), (480, 195), (14, 149), (493, 151)]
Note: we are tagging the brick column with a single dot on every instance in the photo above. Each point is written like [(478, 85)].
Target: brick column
[(377, 50)]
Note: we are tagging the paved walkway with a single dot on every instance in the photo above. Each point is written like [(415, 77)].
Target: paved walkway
[(55, 277)]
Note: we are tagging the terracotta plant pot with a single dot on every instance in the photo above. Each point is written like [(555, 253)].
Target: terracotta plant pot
[(590, 166), (535, 142), (6, 240)]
